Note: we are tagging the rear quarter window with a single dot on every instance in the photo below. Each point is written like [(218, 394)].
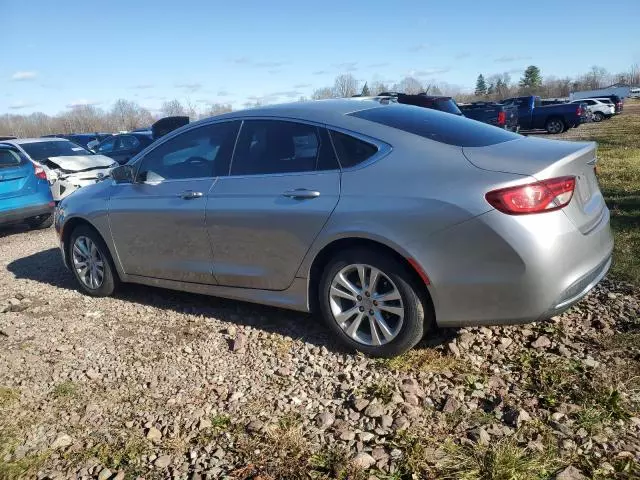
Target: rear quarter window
[(438, 126), (352, 151)]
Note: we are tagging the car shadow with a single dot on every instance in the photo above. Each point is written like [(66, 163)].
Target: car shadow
[(13, 229), (47, 267)]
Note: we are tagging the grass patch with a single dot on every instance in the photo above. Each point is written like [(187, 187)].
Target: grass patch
[(423, 360), (8, 396), (560, 380), (66, 389), (122, 454), (382, 391), (502, 460), (12, 468)]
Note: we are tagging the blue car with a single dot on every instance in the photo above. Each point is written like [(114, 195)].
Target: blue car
[(25, 195)]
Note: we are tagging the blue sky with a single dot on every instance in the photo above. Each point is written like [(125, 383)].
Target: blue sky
[(57, 54)]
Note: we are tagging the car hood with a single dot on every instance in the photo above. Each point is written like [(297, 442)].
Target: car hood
[(77, 163)]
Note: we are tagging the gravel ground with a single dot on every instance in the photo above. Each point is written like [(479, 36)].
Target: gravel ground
[(162, 384)]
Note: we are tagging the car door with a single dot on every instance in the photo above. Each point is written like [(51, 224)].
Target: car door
[(262, 218), (158, 222), (126, 146)]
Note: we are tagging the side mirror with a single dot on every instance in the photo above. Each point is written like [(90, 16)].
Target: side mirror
[(123, 174)]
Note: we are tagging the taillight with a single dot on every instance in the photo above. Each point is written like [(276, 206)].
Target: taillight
[(544, 196), (40, 173), (579, 111), (502, 118)]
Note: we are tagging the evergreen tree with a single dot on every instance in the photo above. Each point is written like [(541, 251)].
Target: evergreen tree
[(365, 90), (481, 86), (531, 80)]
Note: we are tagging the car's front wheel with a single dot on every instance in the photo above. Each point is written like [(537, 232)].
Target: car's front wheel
[(373, 303), (598, 117), (91, 262)]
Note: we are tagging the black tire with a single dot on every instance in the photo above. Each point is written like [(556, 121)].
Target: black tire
[(110, 280), (555, 125), (41, 221), (418, 312), (598, 116)]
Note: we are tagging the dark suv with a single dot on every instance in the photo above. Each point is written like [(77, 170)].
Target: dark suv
[(434, 102)]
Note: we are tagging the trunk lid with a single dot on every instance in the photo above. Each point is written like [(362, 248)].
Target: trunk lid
[(544, 159)]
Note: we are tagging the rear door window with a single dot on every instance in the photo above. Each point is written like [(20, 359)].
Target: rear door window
[(437, 126), (274, 146)]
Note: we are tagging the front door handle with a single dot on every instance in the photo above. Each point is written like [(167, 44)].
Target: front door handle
[(301, 193), (190, 194)]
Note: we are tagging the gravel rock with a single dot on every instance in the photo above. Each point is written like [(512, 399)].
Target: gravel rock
[(104, 474), (363, 461), (61, 441), (541, 342), (325, 420), (163, 461), (154, 434), (239, 343), (374, 410), (570, 473)]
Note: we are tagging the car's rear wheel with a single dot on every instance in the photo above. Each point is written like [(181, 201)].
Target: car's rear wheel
[(41, 221), (91, 262), (373, 303), (598, 117), (554, 125)]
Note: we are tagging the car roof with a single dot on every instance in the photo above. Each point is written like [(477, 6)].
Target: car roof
[(321, 111), (21, 141)]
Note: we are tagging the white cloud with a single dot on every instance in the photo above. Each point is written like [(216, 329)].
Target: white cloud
[(82, 102), (26, 75), (21, 105), (347, 66), (189, 87), (511, 58), (428, 72), (223, 93)]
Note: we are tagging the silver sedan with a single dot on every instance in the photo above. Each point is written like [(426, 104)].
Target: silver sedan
[(384, 219)]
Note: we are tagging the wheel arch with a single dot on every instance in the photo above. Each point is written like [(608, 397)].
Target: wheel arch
[(324, 255), (67, 230)]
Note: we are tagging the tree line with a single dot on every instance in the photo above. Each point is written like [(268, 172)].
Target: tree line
[(498, 86), (126, 115)]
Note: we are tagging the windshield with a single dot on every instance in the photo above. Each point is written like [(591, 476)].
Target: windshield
[(40, 151)]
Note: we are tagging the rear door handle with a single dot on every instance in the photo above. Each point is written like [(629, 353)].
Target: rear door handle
[(190, 194), (301, 193)]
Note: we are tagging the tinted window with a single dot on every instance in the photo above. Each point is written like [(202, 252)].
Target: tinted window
[(107, 146), (274, 146), (352, 151), (128, 142), (434, 125), (40, 151), (198, 153), (9, 158), (447, 105)]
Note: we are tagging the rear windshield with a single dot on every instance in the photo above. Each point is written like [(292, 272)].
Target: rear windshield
[(438, 126), (40, 151), (9, 158), (448, 105)]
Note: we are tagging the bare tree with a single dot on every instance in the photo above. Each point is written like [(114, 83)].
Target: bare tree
[(345, 86), (378, 87), (216, 109), (172, 108), (128, 115), (322, 93), (409, 85), (634, 75)]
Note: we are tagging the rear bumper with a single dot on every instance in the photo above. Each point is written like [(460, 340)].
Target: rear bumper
[(502, 269), (22, 213)]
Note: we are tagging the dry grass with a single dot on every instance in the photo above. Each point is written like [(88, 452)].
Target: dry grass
[(423, 360)]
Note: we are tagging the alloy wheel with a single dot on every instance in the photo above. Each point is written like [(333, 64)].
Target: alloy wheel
[(366, 304), (88, 262)]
